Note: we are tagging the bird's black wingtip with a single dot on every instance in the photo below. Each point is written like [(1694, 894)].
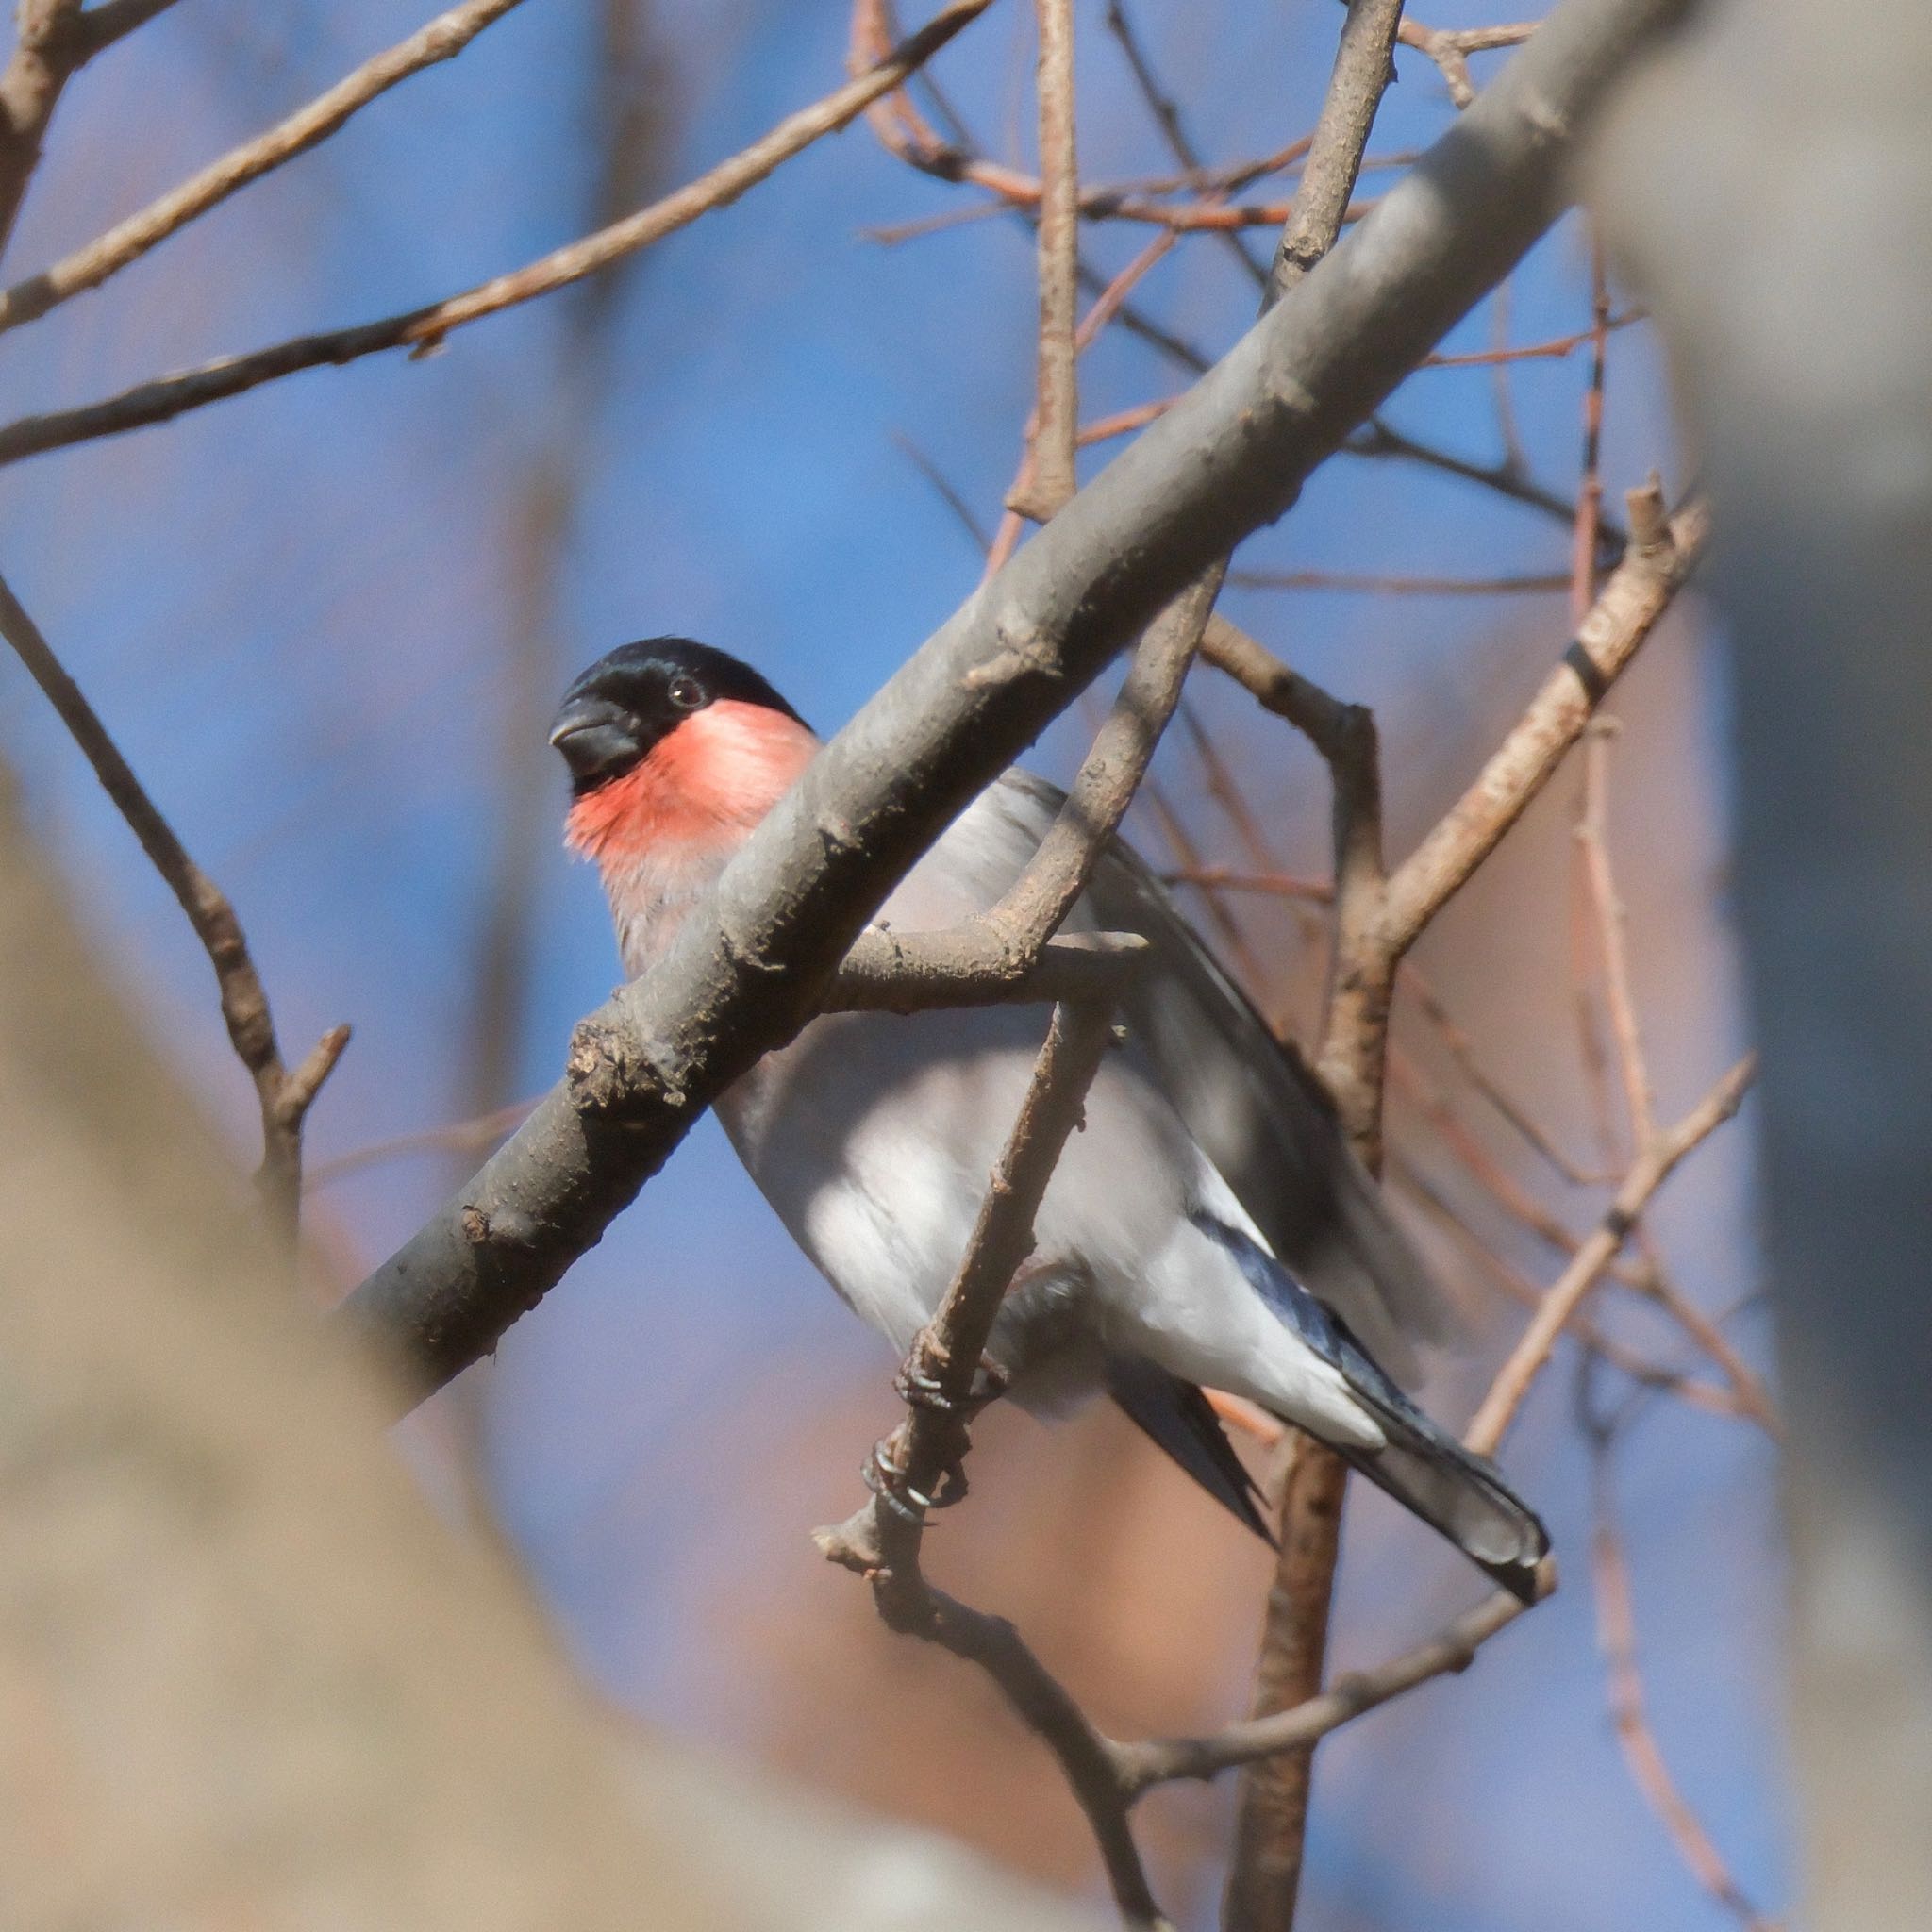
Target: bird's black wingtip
[(1527, 1579)]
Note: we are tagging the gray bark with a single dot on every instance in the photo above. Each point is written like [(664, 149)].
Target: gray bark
[(1230, 457), (246, 1675), (1772, 188)]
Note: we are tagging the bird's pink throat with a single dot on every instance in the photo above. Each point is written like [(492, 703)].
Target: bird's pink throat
[(706, 783)]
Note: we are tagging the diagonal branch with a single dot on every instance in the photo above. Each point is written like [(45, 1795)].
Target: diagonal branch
[(284, 1096), (420, 329), (1653, 1167), (747, 971), (443, 38), (55, 40), (882, 1542)]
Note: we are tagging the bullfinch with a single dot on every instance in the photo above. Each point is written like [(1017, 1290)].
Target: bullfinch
[(1208, 1226)]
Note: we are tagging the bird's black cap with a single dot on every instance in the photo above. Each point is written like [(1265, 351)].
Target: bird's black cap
[(627, 702)]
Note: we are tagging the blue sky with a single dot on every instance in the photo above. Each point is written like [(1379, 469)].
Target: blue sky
[(292, 609)]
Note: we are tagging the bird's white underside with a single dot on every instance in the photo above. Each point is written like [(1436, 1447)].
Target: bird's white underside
[(873, 1136)]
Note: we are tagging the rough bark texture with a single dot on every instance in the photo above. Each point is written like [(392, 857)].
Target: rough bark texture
[(1230, 456)]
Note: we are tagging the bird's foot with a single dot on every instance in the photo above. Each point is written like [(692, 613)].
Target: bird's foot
[(886, 1477), (920, 1383)]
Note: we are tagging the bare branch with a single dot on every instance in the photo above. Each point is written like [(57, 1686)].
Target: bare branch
[(1450, 49), (420, 329), (1057, 411), (1166, 1759), (1652, 1167), (745, 975), (882, 1542), (87, 268), (55, 40), (1271, 1821), (1636, 596), (1592, 835), (1616, 1637), (284, 1098)]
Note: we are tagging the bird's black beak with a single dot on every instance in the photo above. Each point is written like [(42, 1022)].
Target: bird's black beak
[(598, 740)]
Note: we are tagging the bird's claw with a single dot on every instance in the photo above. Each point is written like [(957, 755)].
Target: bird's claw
[(885, 1476), (919, 1383)]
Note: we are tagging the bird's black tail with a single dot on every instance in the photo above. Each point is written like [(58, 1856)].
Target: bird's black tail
[(1427, 1469), (1451, 1488)]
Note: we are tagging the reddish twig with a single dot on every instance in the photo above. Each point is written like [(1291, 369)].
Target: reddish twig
[(1652, 1167), (1049, 477), (1395, 585), (1616, 1635)]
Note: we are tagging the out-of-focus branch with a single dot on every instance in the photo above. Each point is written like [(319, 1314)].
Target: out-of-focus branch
[(88, 267), (1616, 1637), (54, 40), (1637, 595), (420, 329), (1379, 438), (1379, 584), (1652, 1167), (285, 1095)]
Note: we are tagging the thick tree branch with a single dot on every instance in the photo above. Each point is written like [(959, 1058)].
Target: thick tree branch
[(1230, 456)]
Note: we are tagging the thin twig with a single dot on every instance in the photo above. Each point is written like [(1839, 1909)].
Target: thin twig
[(1461, 1049), (1652, 1167), (1167, 116), (882, 1542), (1589, 485), (1275, 885), (1634, 598), (1379, 439), (126, 241), (1592, 835), (1616, 1635), (285, 1097), (1553, 350), (1450, 49), (1453, 1648), (459, 1136), (1527, 1293), (422, 328)]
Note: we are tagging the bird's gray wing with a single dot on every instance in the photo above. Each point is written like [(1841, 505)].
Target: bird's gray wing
[(1257, 1114)]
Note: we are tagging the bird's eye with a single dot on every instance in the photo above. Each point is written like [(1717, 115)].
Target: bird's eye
[(687, 694)]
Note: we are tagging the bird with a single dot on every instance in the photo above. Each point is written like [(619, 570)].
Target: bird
[(1209, 1227)]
